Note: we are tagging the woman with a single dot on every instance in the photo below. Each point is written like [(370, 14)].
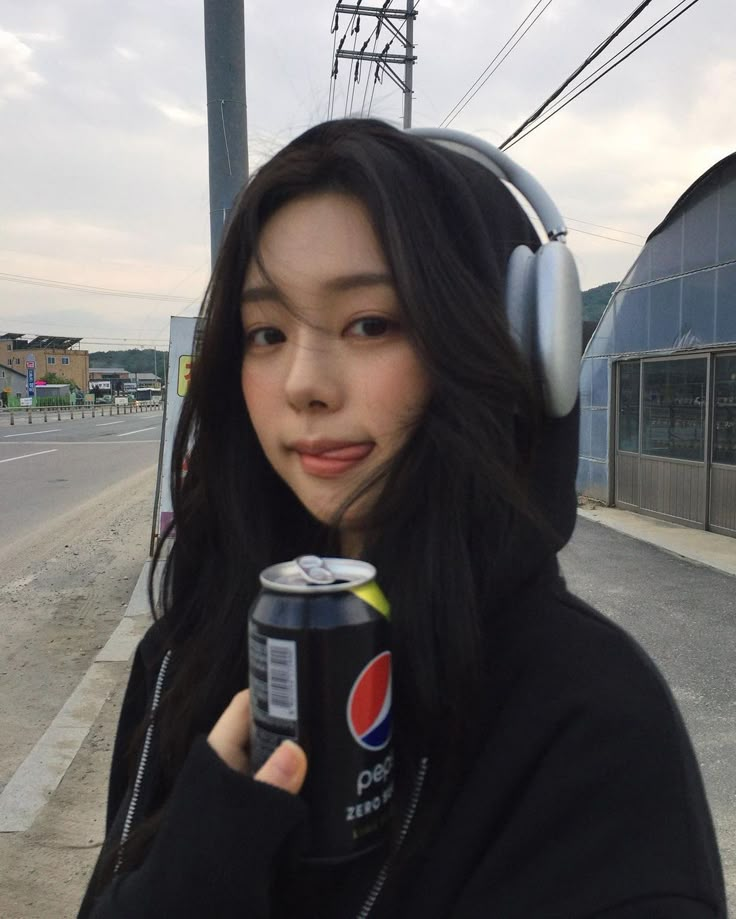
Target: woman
[(358, 392)]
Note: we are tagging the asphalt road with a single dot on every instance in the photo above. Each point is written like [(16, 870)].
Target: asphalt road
[(48, 468), (684, 615)]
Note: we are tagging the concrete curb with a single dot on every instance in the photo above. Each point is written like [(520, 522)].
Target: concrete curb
[(700, 546)]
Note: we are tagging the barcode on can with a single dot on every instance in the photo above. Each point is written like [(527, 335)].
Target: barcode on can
[(281, 679)]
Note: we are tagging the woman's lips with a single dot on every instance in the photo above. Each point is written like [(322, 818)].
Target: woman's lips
[(331, 461)]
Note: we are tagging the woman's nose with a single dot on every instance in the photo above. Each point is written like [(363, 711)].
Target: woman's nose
[(313, 378)]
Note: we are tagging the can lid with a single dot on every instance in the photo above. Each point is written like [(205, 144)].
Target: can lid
[(314, 574)]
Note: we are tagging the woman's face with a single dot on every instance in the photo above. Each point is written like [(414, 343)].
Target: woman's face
[(331, 381)]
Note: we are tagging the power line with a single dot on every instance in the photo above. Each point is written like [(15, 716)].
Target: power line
[(460, 105), (590, 76), (588, 85), (86, 289), (602, 226), (626, 242), (591, 57)]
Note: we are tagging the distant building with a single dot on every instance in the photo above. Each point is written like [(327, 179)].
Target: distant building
[(113, 379), (51, 354), (658, 377), (147, 380), (12, 383)]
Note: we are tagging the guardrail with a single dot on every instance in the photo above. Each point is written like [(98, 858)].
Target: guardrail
[(24, 415)]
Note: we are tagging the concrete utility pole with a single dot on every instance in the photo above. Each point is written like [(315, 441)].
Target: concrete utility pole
[(383, 59), (224, 47), (409, 65)]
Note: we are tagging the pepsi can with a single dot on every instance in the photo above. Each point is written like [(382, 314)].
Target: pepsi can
[(320, 674)]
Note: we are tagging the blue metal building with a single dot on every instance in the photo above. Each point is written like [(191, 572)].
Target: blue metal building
[(658, 377)]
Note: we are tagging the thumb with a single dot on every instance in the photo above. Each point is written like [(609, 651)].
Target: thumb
[(285, 768)]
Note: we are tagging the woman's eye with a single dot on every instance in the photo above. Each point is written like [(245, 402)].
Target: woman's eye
[(371, 327), (263, 337)]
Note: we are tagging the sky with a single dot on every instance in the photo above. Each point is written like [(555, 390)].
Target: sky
[(103, 133)]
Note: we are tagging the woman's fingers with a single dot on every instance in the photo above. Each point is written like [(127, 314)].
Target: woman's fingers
[(286, 768), (229, 737)]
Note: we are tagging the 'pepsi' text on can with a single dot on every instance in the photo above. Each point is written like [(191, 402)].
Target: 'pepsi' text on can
[(320, 674)]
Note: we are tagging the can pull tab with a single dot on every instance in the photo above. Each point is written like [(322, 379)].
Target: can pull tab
[(314, 570)]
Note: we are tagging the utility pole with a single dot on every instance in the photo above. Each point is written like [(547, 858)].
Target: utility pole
[(224, 48), (383, 60), (409, 65)]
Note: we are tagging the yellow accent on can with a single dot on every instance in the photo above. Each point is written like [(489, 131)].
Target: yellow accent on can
[(374, 597)]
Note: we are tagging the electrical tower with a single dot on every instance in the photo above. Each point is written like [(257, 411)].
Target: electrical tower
[(383, 60)]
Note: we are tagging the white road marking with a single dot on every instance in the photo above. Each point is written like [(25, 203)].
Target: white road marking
[(85, 443), (31, 433), (128, 433), (27, 456), (106, 424)]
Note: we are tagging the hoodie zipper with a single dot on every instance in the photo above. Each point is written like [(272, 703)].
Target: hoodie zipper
[(380, 881), (130, 816)]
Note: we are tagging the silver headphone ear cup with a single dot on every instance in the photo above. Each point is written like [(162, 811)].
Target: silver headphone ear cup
[(521, 295), (559, 326)]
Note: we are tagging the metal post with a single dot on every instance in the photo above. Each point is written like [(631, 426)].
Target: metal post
[(409, 65), (224, 44)]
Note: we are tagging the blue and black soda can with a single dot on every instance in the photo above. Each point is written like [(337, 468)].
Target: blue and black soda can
[(320, 674)]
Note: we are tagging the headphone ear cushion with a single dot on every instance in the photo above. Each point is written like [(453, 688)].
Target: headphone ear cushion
[(559, 324), (521, 300)]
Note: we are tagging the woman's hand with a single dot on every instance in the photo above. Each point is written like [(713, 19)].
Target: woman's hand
[(229, 738)]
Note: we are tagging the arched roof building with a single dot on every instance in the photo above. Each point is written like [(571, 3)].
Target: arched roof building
[(658, 377)]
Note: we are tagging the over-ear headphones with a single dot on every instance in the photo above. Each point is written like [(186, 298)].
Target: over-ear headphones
[(543, 299)]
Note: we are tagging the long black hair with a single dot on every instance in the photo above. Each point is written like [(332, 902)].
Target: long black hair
[(454, 499)]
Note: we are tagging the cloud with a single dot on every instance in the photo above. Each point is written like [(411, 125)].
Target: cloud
[(17, 76), (127, 54), (179, 114), (39, 37)]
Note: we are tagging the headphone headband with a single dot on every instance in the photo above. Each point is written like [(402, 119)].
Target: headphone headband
[(543, 302), (504, 168)]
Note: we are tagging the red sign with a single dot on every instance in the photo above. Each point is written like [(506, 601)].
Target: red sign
[(30, 365)]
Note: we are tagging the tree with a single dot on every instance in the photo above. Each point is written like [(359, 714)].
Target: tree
[(56, 379)]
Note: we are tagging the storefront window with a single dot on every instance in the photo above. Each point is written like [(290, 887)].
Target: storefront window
[(628, 406), (724, 411), (674, 408)]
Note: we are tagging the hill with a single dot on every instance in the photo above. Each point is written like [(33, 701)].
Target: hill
[(596, 299), (135, 360)]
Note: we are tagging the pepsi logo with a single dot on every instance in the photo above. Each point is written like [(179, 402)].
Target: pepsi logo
[(369, 704)]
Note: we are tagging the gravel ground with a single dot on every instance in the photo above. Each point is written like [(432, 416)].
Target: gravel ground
[(64, 590)]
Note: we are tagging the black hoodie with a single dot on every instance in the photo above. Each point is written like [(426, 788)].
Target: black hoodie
[(584, 800)]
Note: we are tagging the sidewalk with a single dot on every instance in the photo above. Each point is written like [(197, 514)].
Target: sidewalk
[(699, 546)]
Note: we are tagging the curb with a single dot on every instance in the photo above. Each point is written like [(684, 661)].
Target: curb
[(696, 545)]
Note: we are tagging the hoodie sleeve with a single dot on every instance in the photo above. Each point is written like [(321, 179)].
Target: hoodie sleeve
[(221, 839)]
